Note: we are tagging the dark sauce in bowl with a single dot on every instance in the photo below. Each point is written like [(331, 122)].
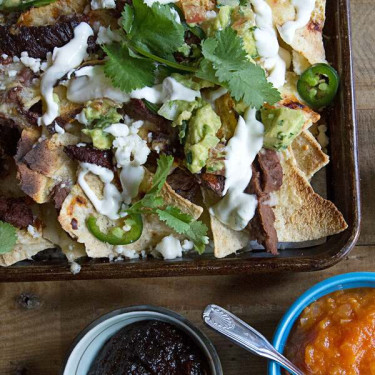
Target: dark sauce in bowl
[(150, 347)]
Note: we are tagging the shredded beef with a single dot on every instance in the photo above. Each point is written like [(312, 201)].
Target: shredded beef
[(214, 182), (9, 136), (59, 193), (183, 183), (138, 110), (38, 40), (267, 177), (262, 225), (88, 154), (16, 211)]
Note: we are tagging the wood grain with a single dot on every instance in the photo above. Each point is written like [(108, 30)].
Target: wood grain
[(36, 339), (38, 321)]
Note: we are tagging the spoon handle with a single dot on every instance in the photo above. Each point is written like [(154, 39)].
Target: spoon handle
[(242, 334)]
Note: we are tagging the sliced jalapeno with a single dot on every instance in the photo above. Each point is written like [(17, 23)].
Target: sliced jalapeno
[(14, 5), (117, 235), (318, 85)]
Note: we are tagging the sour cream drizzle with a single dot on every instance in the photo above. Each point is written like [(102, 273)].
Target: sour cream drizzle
[(304, 9), (237, 208), (267, 43), (64, 59), (91, 83), (111, 202)]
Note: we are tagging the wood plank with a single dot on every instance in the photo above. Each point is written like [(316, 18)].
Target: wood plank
[(366, 142), (37, 339), (363, 44)]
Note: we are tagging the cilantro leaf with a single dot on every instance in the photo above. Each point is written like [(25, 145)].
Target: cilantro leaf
[(226, 62), (177, 220), (151, 199), (8, 237), (261, 90), (207, 72), (185, 224), (153, 29), (226, 52), (127, 72)]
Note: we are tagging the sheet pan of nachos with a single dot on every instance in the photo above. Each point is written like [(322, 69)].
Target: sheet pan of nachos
[(139, 129)]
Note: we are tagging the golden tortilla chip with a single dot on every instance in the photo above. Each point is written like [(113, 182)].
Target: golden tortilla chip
[(301, 214), (53, 232), (47, 15), (308, 41), (26, 247), (226, 241), (308, 153), (300, 63), (43, 165), (77, 208)]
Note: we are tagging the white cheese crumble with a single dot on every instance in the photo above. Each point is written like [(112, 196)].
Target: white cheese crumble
[(131, 153), (12, 73), (33, 231), (107, 36), (211, 14), (75, 268), (187, 245), (4, 56), (169, 247), (30, 62), (151, 2), (103, 4)]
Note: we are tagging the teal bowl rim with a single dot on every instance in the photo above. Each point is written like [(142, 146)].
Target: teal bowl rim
[(332, 284)]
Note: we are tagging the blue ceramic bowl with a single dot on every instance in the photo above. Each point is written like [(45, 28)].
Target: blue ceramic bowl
[(345, 281)]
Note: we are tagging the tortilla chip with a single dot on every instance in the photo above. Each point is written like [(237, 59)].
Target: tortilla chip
[(301, 214), (77, 208), (308, 41), (48, 15), (308, 153), (53, 232), (226, 241), (26, 247), (48, 157), (300, 63), (44, 165)]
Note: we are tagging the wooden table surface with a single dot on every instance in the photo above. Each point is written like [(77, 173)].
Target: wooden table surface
[(38, 321)]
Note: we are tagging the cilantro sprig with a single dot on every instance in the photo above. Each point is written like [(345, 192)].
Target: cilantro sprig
[(226, 62), (180, 222), (153, 34), (8, 235)]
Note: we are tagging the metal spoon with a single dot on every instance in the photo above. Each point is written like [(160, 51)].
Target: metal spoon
[(245, 336)]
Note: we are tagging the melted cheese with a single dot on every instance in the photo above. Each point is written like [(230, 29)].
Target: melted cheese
[(237, 208), (111, 202), (304, 9), (267, 44), (64, 59)]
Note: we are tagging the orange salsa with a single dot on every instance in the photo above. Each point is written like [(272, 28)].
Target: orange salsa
[(336, 335)]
